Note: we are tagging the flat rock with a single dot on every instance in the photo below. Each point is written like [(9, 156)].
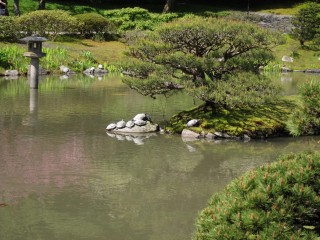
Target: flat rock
[(149, 127), (189, 134)]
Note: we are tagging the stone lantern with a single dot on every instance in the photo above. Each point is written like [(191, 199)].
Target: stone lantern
[(34, 52)]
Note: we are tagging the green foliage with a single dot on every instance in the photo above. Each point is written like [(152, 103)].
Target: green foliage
[(93, 25), (307, 23), (215, 60), (277, 201), (8, 29), (55, 57), (84, 61), (137, 18), (12, 58), (48, 23), (305, 120)]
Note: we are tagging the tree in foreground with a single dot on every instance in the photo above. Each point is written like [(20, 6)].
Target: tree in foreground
[(277, 201), (215, 60)]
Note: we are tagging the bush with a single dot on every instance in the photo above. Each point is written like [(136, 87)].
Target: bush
[(8, 29), (137, 18), (48, 23), (277, 201), (306, 119), (93, 25)]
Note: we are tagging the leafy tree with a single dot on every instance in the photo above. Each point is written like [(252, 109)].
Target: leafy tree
[(307, 23), (215, 60)]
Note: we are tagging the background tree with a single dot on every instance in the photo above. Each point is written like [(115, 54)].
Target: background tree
[(215, 60), (16, 8), (307, 23), (42, 5), (169, 6)]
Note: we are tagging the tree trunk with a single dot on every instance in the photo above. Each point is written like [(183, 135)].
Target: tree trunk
[(16, 7), (42, 5), (169, 6)]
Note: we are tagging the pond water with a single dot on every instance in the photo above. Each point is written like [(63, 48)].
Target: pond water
[(63, 177)]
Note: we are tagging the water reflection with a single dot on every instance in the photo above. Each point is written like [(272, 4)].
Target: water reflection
[(137, 138), (62, 177)]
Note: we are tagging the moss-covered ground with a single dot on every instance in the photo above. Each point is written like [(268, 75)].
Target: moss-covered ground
[(266, 120)]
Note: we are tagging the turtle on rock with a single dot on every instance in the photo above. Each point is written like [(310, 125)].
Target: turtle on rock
[(193, 123), (142, 116), (111, 126), (140, 122), (121, 124)]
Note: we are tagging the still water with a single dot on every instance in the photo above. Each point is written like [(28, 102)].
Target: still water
[(63, 177)]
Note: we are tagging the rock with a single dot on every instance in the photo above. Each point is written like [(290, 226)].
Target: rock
[(189, 134), (193, 123), (222, 135), (11, 73), (246, 137), (210, 136), (111, 126), (147, 128), (287, 59), (285, 69)]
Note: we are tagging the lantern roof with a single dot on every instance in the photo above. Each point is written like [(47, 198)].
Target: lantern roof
[(34, 38)]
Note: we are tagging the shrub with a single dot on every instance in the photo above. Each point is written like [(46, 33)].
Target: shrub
[(137, 18), (12, 58), (48, 23), (277, 201), (306, 119), (8, 29), (94, 25)]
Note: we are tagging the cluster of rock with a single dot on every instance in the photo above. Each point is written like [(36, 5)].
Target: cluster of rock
[(141, 123), (189, 135), (281, 23), (92, 71)]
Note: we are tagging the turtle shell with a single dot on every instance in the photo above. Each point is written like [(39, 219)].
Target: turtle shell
[(111, 126), (140, 122), (140, 116), (121, 124), (130, 124)]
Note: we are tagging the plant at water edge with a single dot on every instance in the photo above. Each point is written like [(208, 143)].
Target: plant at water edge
[(276, 201), (305, 120)]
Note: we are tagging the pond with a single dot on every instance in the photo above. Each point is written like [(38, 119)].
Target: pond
[(63, 177)]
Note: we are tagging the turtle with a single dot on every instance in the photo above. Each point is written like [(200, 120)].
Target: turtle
[(130, 124), (140, 122), (111, 126), (121, 124), (140, 116), (193, 123)]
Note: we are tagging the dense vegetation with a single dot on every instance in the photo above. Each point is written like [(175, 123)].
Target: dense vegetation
[(277, 201)]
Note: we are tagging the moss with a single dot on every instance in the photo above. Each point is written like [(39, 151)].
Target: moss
[(266, 120)]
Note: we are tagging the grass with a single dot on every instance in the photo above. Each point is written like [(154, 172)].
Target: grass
[(264, 121)]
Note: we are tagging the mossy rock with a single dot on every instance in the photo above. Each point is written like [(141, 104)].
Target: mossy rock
[(276, 201)]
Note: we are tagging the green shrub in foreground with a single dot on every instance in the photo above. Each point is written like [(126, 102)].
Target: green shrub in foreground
[(276, 201), (8, 29)]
